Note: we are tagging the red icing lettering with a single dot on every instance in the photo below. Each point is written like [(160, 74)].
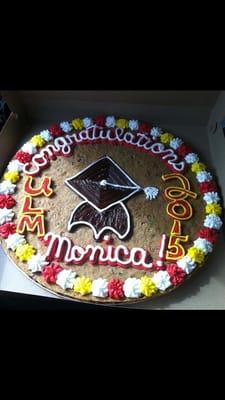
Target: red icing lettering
[(175, 249), (27, 207), (31, 223), (179, 209), (63, 146), (33, 218), (63, 249), (44, 188)]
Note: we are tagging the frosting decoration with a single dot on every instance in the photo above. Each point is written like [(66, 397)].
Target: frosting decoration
[(180, 210), (32, 219), (104, 186)]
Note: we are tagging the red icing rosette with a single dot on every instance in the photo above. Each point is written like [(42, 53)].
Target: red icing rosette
[(206, 187), (115, 288), (99, 120), (51, 272), (183, 150), (7, 229), (144, 128), (23, 157), (209, 234), (176, 274), (55, 130), (7, 201)]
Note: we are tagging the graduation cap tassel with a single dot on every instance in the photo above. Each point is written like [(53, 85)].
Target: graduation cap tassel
[(105, 183), (151, 192)]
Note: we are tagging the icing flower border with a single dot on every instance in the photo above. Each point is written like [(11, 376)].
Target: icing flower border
[(164, 278)]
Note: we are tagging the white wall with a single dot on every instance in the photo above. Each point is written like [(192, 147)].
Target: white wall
[(216, 140), (195, 136)]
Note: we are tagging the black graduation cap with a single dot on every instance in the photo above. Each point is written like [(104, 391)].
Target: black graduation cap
[(104, 185)]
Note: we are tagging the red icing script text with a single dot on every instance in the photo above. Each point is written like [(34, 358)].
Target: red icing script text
[(63, 146)]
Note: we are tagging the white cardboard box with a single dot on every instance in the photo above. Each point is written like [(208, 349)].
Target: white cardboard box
[(37, 110)]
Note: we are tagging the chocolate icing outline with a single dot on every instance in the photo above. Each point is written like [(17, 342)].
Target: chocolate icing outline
[(97, 235), (112, 204)]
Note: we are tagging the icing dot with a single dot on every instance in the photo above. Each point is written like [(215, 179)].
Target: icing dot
[(108, 239)]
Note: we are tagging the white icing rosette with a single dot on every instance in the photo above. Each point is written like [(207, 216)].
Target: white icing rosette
[(29, 148), (65, 279), (110, 122), (161, 280), (186, 264), (151, 192), (132, 287), (14, 240), (37, 262), (87, 122), (6, 187), (175, 143), (15, 165), (65, 126), (6, 215), (211, 197), (133, 124), (213, 221), (190, 158), (156, 131), (45, 134), (99, 287), (204, 245), (203, 176)]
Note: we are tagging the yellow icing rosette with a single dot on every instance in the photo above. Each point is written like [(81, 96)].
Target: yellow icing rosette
[(166, 137), (122, 123), (198, 167), (12, 176), (147, 286), (37, 141), (82, 285), (77, 123), (213, 208), (196, 255), (25, 251)]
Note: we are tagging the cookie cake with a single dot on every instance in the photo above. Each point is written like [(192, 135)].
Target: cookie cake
[(108, 210)]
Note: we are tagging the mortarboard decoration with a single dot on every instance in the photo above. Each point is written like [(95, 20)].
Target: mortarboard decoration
[(104, 186)]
